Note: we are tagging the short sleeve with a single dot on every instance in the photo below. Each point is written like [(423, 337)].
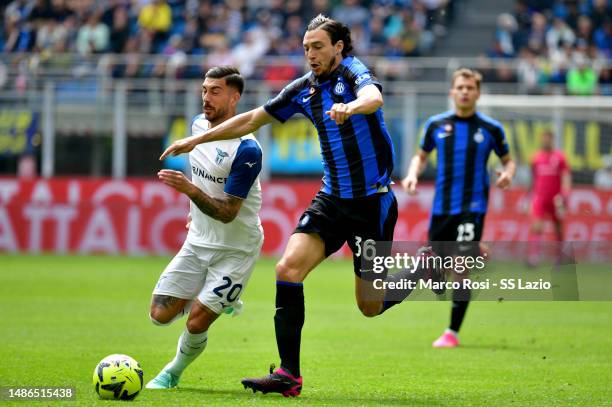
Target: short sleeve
[(245, 169), (428, 143), (283, 105), (359, 76), (500, 145)]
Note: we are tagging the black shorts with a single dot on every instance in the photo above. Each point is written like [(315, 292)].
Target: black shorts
[(452, 234), (353, 221)]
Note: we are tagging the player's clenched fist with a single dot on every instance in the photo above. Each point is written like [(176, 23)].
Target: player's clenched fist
[(504, 179), (339, 112), (176, 180), (409, 184)]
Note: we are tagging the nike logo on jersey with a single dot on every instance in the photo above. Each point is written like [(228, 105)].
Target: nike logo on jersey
[(444, 135), (312, 91), (250, 164)]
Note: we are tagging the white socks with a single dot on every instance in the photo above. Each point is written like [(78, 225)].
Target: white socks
[(189, 348)]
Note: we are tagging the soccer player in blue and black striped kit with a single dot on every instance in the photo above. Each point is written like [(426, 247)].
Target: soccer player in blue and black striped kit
[(355, 205), (464, 139)]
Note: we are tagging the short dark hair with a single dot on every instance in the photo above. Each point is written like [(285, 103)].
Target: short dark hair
[(336, 30), (468, 74), (230, 74)]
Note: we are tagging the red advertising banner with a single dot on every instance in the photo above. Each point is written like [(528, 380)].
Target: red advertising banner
[(143, 216)]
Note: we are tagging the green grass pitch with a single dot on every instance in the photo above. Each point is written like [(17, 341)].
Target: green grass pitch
[(59, 315)]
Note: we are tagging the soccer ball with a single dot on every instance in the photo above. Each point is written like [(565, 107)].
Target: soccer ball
[(118, 377)]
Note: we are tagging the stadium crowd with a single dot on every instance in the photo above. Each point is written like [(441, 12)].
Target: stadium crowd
[(563, 43), (227, 32), (567, 42)]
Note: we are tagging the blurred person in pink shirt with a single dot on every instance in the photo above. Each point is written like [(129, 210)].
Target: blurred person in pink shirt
[(550, 190)]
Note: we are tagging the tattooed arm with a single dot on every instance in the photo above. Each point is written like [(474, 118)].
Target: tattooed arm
[(222, 209)]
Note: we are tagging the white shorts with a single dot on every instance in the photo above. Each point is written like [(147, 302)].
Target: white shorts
[(215, 277)]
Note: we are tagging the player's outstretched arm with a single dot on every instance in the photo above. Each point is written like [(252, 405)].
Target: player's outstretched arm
[(417, 166), (369, 99), (235, 127), (223, 210), (504, 178)]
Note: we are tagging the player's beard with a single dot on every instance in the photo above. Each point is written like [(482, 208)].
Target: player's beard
[(215, 115), (329, 67)]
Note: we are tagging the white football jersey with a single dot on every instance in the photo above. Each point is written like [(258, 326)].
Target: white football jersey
[(226, 167)]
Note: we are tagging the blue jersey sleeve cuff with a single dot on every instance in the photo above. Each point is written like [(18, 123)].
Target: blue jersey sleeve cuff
[(245, 169), (274, 114)]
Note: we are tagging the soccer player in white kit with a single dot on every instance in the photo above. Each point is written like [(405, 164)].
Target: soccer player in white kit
[(210, 272)]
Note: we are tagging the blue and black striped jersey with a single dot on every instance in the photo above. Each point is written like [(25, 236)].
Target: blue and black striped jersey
[(464, 146), (358, 155)]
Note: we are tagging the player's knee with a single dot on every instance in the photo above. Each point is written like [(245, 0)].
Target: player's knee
[(285, 271), (369, 308), (200, 319), (196, 325), (159, 317)]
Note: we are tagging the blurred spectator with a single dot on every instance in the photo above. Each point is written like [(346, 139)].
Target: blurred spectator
[(410, 35), (220, 55), (40, 12), (231, 15), (93, 37), (582, 79), (559, 35), (318, 7), (573, 13), (155, 19), (530, 73), (59, 10), (522, 16), (536, 40), (377, 37), (505, 36), (18, 10), (584, 33), (436, 12), (19, 35), (293, 26), (177, 57), (49, 34), (120, 29), (351, 13), (600, 12), (254, 46), (603, 39), (603, 176), (132, 67)]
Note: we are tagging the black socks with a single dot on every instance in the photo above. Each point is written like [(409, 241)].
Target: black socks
[(288, 322)]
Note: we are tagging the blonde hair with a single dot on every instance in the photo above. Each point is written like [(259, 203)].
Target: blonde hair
[(468, 74)]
